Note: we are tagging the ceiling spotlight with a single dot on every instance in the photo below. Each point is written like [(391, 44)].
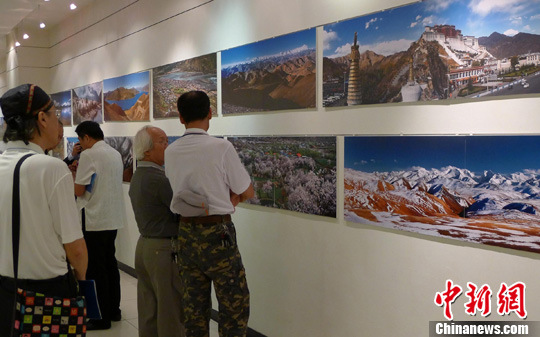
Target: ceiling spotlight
[(26, 36), (72, 6), (17, 44), (42, 25)]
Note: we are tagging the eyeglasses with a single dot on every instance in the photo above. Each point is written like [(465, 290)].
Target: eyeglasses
[(57, 112)]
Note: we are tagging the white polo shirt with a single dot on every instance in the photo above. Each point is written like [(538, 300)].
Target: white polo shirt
[(49, 216), (207, 166), (104, 206)]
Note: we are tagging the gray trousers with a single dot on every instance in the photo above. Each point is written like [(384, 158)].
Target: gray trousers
[(159, 289)]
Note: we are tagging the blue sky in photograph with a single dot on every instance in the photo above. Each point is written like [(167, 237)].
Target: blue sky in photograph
[(298, 41), (393, 30), (500, 154), (137, 80)]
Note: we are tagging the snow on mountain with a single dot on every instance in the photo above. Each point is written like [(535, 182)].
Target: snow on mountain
[(459, 189), (491, 208), (91, 92)]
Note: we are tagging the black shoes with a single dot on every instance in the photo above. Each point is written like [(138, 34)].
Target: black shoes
[(101, 324), (97, 324), (117, 317)]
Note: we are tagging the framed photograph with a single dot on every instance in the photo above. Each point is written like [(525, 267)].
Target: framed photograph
[(270, 75), (127, 98), (482, 189), (291, 173), (430, 51), (87, 103), (172, 80)]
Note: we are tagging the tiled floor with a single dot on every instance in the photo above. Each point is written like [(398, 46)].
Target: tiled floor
[(128, 326)]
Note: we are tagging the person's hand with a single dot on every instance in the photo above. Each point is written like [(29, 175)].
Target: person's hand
[(235, 198), (76, 149), (73, 168)]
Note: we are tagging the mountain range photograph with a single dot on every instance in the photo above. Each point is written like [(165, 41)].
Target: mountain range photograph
[(127, 98), (62, 101), (482, 189), (433, 50), (270, 75), (87, 103), (172, 80)]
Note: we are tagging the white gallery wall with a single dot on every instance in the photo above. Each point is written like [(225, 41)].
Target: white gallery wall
[(308, 275)]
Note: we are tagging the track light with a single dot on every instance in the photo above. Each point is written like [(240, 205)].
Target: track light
[(41, 23), (72, 6)]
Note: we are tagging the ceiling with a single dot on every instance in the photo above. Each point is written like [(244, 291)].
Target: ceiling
[(29, 13)]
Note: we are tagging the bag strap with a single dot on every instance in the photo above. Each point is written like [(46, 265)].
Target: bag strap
[(16, 217), (16, 229)]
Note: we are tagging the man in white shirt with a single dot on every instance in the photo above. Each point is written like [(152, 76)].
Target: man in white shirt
[(98, 186), (208, 180)]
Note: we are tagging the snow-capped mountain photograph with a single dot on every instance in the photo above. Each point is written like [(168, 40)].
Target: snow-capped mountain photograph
[(87, 103), (433, 50), (270, 75), (62, 101), (483, 189)]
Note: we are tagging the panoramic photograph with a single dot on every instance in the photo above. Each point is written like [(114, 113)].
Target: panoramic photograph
[(127, 98), (270, 75), (172, 80), (62, 101), (433, 50), (87, 103), (482, 189), (292, 173)]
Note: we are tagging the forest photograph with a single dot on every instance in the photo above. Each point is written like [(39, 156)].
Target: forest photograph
[(292, 173)]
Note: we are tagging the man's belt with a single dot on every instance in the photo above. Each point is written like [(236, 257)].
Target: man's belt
[(205, 219)]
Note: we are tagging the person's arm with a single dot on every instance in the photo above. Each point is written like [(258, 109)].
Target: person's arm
[(78, 257), (248, 193), (85, 170)]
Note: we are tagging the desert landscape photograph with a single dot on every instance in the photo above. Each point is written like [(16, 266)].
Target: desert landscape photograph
[(291, 173), (433, 50), (482, 189), (127, 98), (270, 75), (87, 103), (172, 80)]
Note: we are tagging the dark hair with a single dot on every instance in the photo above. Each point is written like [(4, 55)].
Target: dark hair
[(20, 128), (90, 129), (193, 106)]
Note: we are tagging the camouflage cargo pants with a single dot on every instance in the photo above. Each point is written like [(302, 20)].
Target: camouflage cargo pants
[(208, 253)]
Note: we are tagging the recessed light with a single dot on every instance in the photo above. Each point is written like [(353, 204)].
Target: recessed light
[(26, 36), (17, 43), (72, 6), (42, 25)]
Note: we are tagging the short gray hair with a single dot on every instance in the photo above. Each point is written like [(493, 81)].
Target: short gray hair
[(142, 142)]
